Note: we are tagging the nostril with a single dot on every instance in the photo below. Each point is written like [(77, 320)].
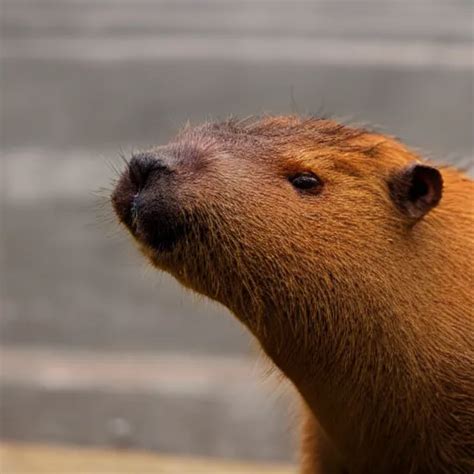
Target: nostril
[(134, 208), (140, 167)]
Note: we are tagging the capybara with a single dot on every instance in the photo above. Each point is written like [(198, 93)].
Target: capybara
[(348, 257)]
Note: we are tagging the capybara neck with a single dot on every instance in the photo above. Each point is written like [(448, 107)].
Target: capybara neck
[(348, 257)]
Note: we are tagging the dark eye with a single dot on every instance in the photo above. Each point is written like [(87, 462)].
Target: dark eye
[(305, 181)]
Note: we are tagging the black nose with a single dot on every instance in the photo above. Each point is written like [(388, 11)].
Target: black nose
[(142, 165)]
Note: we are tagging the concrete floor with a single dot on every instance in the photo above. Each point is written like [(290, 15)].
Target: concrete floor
[(16, 458)]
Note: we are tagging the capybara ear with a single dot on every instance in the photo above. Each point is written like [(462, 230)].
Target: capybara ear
[(416, 189)]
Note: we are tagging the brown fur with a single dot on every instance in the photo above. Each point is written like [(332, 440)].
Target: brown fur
[(367, 312)]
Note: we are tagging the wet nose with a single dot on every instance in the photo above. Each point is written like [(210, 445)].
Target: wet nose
[(142, 165)]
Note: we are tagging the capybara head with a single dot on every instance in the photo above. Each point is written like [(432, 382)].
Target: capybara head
[(255, 213), (346, 255)]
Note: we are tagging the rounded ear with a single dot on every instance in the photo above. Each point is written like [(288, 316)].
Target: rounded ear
[(416, 189)]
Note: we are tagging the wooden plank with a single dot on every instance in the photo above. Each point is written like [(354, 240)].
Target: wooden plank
[(18, 458)]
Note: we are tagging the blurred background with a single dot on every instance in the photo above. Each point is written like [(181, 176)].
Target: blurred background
[(97, 348)]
